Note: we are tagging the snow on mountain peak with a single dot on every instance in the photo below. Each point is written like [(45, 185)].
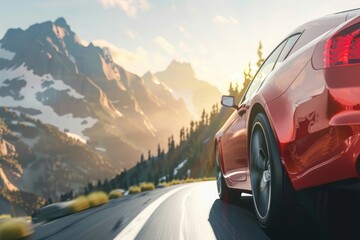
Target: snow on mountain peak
[(29, 96), (6, 54)]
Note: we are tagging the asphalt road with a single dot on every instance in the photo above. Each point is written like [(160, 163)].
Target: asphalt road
[(189, 211)]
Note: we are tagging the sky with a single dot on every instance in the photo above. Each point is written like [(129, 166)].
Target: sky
[(218, 37)]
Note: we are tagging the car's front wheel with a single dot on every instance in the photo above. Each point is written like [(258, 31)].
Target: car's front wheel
[(268, 178)]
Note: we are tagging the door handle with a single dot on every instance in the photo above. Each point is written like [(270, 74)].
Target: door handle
[(242, 112), (242, 109)]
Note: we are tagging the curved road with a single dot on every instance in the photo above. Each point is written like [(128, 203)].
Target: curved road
[(189, 211)]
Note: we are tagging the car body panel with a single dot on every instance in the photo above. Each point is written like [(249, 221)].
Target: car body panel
[(314, 114), (235, 136)]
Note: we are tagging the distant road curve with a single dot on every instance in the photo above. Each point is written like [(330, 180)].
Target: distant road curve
[(189, 211), (193, 211)]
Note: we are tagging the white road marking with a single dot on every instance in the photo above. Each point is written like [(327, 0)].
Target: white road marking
[(182, 218), (135, 226)]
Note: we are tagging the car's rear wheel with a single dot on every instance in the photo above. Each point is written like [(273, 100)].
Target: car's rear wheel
[(268, 178), (225, 193)]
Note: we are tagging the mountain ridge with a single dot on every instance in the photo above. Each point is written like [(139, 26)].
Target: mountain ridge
[(78, 92)]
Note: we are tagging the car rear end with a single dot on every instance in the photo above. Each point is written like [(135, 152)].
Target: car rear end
[(317, 117), (338, 55), (325, 147)]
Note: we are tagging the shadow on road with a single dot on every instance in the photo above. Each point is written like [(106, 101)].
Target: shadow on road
[(340, 219), (336, 210), (238, 221)]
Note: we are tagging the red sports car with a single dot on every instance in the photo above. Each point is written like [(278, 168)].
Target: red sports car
[(298, 123)]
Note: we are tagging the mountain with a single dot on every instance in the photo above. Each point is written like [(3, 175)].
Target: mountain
[(197, 94), (163, 121), (38, 158), (70, 115), (190, 157), (46, 72)]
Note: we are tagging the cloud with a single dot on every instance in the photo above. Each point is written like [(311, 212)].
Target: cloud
[(185, 47), (130, 7), (164, 45), (132, 61), (219, 19), (203, 50), (182, 29), (138, 61), (131, 34)]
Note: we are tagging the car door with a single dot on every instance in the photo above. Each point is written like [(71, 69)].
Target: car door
[(234, 138)]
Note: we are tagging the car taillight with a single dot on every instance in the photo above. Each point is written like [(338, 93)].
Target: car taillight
[(343, 48)]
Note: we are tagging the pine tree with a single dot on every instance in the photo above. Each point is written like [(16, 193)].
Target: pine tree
[(192, 124), (138, 167), (207, 120), (142, 159), (158, 151), (217, 108), (247, 79), (172, 142), (182, 135), (260, 55), (126, 185), (149, 155), (90, 187), (202, 121), (169, 144), (187, 134), (98, 186), (231, 90)]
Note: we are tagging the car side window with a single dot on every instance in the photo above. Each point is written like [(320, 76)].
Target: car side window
[(264, 70), (288, 46)]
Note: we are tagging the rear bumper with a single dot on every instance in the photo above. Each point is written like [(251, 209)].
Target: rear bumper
[(350, 118), (341, 157)]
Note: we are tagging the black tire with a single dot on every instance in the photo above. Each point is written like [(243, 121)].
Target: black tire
[(269, 182), (225, 193)]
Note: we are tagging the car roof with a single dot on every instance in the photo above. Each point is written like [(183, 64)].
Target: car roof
[(352, 13), (318, 26), (328, 21), (348, 11)]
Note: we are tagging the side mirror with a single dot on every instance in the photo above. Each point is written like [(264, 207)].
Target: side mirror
[(228, 101)]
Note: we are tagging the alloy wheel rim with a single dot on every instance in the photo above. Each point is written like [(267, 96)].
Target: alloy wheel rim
[(260, 171), (218, 172)]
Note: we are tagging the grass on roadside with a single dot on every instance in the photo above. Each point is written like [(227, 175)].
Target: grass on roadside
[(5, 216), (116, 194), (79, 204), (94, 199), (97, 198), (188, 180), (15, 228), (134, 189), (147, 186), (150, 186)]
